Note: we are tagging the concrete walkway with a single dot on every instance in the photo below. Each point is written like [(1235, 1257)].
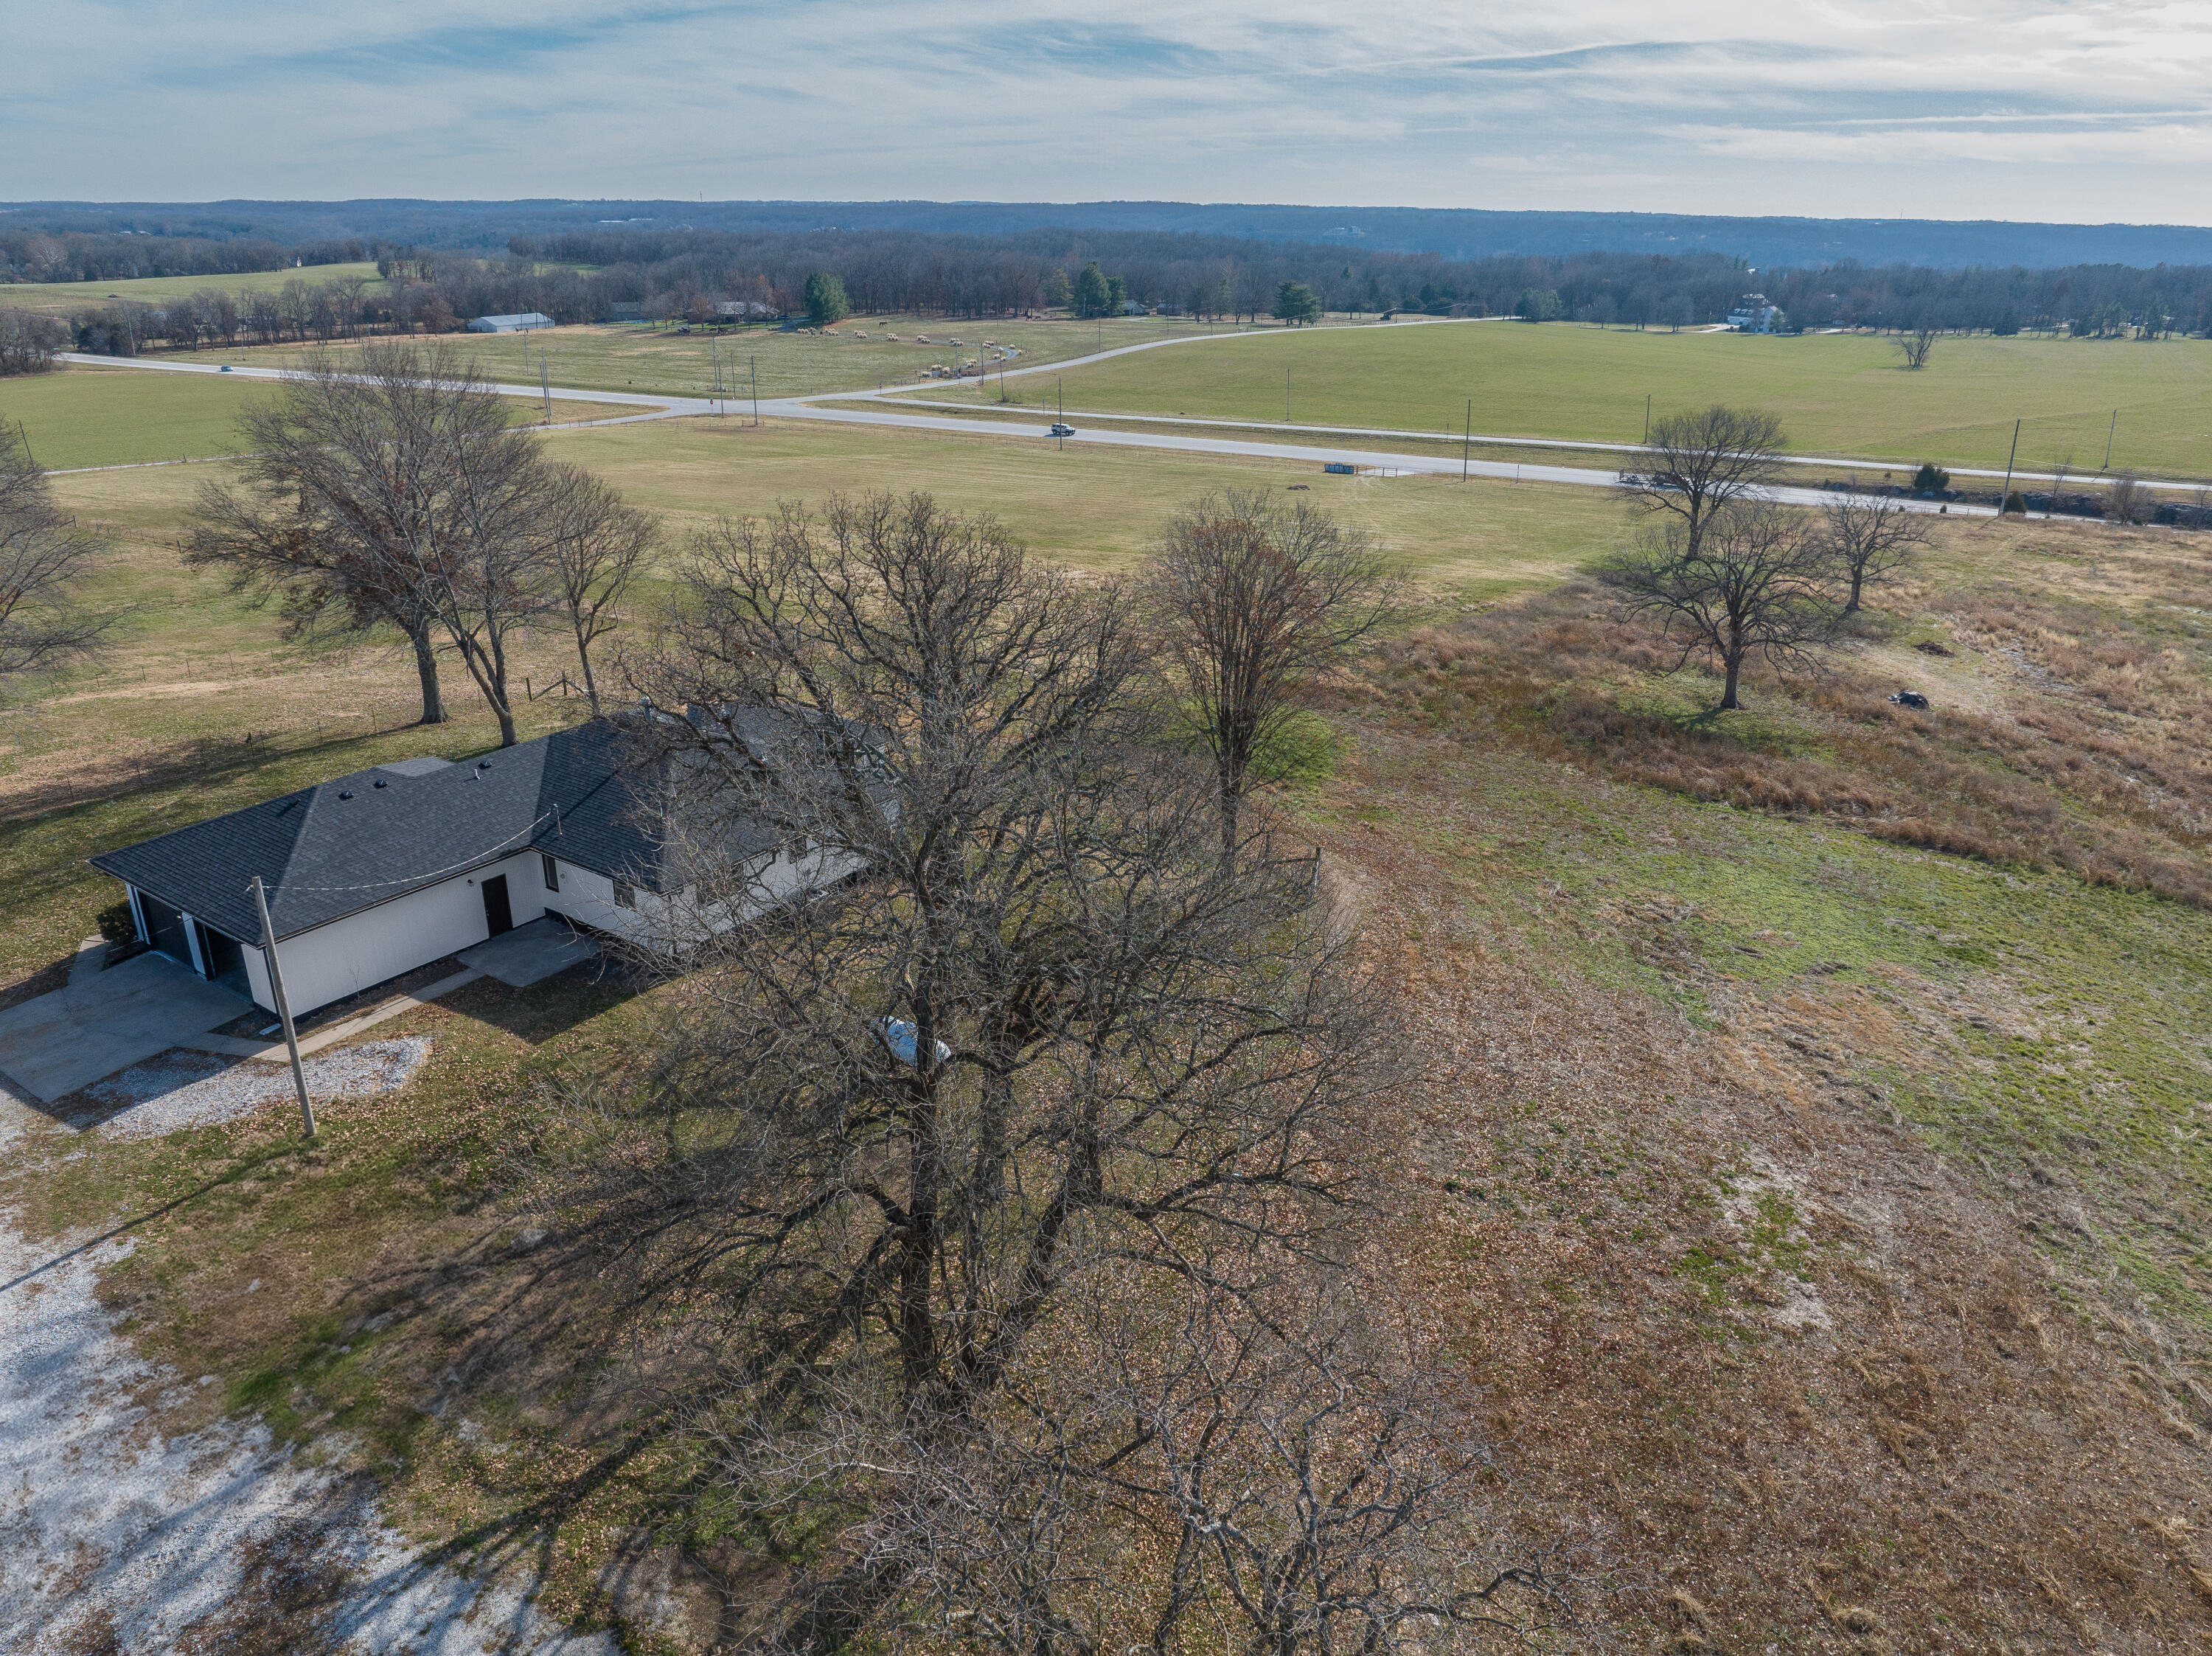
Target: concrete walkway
[(530, 954), (527, 955), (344, 1029), (53, 1045)]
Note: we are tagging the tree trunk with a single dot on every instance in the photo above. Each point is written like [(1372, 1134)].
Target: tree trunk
[(591, 685), (1858, 580), (426, 669), (1734, 669)]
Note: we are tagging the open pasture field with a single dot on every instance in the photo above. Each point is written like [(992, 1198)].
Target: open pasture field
[(1096, 507), (857, 355), (62, 297), (81, 416), (1841, 394), (162, 726), (1806, 1217), (1803, 1177)]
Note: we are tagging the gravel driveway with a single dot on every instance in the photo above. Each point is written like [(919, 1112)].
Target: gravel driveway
[(116, 1539)]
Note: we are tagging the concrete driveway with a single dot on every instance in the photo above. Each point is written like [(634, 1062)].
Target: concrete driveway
[(58, 1043)]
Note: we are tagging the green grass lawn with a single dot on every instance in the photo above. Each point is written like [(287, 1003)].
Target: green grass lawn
[(153, 290), (1096, 506), (1836, 393), (121, 417), (857, 355), (101, 417)]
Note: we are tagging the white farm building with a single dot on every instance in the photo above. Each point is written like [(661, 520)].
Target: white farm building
[(1753, 313), (372, 875), (524, 322)]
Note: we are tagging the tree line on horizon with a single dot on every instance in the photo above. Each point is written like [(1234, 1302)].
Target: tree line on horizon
[(683, 276)]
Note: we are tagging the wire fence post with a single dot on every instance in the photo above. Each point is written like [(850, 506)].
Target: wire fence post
[(283, 1006)]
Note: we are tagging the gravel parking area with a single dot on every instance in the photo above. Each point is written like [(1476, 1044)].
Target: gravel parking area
[(183, 1089)]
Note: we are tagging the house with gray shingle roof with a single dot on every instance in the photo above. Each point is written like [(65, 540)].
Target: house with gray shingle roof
[(371, 875)]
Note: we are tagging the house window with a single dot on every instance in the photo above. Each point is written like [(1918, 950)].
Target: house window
[(625, 895), (552, 872)]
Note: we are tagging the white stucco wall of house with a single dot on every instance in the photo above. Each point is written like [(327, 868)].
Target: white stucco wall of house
[(362, 950)]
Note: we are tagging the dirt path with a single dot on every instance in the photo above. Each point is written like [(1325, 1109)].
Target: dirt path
[(115, 1539)]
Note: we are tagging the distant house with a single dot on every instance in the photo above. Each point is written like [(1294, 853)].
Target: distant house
[(1753, 314), (744, 310), (524, 322), (625, 310), (372, 875)]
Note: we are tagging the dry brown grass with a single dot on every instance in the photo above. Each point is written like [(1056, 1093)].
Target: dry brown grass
[(2076, 745), (1879, 1426)]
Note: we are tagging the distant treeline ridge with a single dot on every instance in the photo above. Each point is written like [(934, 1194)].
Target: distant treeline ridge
[(38, 256), (600, 275)]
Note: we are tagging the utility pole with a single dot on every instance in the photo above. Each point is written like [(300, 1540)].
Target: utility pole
[(545, 384), (1466, 442), (2005, 493), (1286, 396), (2109, 433), (283, 1005), (1647, 417), (1060, 401), (753, 365)]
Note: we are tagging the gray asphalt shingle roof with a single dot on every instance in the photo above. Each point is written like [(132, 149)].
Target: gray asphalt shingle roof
[(357, 840)]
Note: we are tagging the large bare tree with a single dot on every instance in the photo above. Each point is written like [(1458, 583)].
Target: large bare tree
[(1047, 1050), (46, 557), (596, 547), (391, 487), (1253, 598), (1700, 462), (1870, 538), (1759, 583)]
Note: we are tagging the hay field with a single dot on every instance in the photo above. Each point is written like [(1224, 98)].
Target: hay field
[(1836, 393)]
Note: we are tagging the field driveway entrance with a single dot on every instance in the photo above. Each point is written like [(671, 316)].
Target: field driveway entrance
[(51, 1045)]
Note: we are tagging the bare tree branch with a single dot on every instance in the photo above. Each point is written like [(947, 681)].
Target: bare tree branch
[(1757, 583), (1702, 462), (45, 556), (1253, 598), (1121, 1054), (1869, 538)]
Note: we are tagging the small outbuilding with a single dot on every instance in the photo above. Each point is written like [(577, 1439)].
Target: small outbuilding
[(371, 875), (527, 322)]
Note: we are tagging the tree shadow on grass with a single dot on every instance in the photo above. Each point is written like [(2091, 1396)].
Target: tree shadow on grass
[(546, 1008)]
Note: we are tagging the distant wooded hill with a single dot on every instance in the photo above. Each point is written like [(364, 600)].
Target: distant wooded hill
[(628, 266), (1455, 233)]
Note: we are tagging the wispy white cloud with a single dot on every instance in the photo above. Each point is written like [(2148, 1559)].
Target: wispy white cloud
[(1841, 107)]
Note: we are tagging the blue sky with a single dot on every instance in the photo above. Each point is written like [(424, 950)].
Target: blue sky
[(1933, 108)]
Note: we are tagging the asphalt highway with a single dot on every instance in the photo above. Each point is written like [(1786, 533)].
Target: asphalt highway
[(890, 407)]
